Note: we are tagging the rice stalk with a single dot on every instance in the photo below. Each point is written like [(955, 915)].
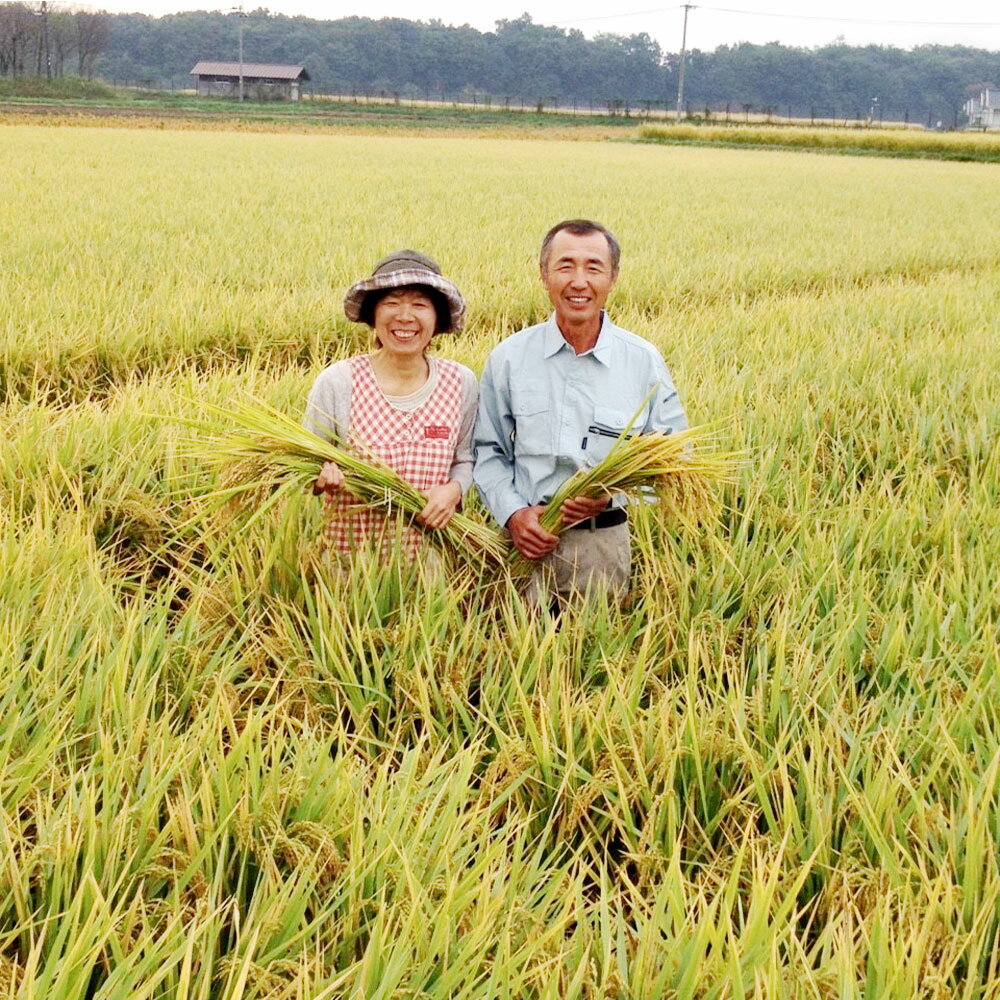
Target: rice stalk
[(664, 467), (272, 457)]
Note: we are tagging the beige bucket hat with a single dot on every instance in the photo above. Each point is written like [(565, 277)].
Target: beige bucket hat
[(407, 267)]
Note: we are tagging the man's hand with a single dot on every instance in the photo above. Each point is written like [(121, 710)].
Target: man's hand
[(531, 539), (442, 502), (329, 480), (578, 509)]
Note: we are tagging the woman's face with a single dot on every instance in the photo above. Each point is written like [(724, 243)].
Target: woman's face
[(405, 319)]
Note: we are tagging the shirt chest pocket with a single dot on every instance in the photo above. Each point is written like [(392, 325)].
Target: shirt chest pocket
[(605, 428), (529, 406)]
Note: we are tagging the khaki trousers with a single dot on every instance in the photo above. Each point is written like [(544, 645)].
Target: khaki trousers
[(584, 562)]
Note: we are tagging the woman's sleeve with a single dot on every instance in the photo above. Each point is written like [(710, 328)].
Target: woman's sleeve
[(328, 409), (461, 468)]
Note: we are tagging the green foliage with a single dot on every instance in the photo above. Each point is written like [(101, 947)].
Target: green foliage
[(928, 82), (60, 88)]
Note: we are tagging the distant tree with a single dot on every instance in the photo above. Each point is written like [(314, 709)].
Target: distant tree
[(62, 40), (92, 35), (76, 39), (19, 39)]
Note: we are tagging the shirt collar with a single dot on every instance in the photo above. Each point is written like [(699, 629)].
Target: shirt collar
[(555, 341)]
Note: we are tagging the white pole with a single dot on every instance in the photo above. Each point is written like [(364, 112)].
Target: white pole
[(241, 15), (680, 78), (239, 12)]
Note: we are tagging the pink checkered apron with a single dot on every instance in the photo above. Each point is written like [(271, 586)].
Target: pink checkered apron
[(420, 446)]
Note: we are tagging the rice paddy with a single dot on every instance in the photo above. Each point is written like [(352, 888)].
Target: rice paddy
[(973, 146), (232, 769)]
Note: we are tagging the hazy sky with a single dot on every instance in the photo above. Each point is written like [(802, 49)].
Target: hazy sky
[(904, 23)]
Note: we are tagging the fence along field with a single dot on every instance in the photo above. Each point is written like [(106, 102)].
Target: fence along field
[(233, 774)]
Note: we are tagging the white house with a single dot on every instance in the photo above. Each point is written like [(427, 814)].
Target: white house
[(983, 109)]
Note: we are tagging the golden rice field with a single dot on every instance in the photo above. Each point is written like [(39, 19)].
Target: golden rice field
[(228, 771), (979, 146)]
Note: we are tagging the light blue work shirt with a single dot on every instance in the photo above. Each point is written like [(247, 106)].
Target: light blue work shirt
[(546, 411)]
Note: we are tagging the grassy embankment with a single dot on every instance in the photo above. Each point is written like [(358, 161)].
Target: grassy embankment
[(81, 102), (58, 89), (230, 772)]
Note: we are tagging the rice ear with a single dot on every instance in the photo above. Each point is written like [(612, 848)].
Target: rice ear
[(272, 453), (667, 467)]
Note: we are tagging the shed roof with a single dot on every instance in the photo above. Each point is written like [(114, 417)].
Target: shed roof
[(264, 71)]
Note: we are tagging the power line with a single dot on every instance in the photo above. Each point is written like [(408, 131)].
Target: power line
[(611, 17), (857, 20), (72, 6), (789, 17)]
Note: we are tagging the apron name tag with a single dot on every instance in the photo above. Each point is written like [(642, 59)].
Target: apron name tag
[(435, 431)]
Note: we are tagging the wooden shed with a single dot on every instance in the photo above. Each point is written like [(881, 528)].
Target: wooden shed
[(261, 81)]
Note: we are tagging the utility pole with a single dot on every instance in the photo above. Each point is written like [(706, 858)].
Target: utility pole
[(680, 77), (241, 14), (44, 15)]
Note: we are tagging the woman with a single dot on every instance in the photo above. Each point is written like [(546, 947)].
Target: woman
[(406, 408)]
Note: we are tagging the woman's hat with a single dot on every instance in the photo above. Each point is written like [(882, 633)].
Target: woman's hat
[(402, 268)]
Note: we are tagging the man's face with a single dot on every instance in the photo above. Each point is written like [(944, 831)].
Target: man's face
[(578, 276)]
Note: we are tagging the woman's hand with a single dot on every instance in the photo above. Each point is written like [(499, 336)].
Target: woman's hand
[(442, 502), (329, 480)]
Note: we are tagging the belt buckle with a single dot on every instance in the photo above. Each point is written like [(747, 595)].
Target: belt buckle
[(592, 524)]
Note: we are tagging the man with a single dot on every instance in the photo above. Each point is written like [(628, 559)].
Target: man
[(553, 398)]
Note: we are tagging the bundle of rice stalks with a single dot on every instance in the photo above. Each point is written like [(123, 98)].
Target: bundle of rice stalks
[(664, 467), (273, 457)]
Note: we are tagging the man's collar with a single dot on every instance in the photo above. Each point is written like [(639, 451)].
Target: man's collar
[(554, 340)]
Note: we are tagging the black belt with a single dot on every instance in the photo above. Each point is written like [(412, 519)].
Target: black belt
[(606, 519)]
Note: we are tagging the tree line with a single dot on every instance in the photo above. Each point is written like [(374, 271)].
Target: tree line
[(41, 40), (524, 60), (393, 55), (519, 60)]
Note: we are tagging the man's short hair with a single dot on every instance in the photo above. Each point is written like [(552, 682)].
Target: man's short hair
[(581, 227)]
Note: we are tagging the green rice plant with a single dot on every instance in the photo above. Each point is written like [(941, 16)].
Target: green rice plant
[(274, 457)]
